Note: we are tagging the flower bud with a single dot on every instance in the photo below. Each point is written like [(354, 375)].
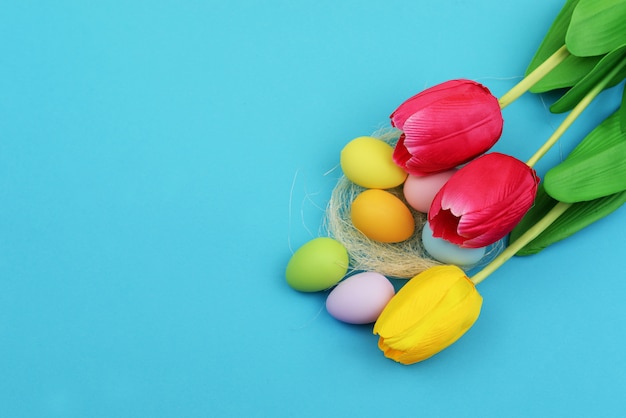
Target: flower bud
[(483, 201), (445, 126), (429, 313)]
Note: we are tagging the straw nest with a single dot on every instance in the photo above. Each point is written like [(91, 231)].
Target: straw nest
[(401, 260)]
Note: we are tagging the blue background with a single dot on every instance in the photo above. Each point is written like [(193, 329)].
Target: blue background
[(160, 161)]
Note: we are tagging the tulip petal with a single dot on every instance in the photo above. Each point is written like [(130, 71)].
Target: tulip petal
[(400, 154), (435, 327), (424, 99), (434, 139), (432, 311), (446, 332), (445, 126), (415, 298), (492, 177), (483, 201)]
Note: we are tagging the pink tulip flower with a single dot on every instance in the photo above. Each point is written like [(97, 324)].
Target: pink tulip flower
[(445, 126), (483, 201)]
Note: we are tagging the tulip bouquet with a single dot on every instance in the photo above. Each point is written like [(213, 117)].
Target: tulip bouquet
[(478, 198), (435, 308)]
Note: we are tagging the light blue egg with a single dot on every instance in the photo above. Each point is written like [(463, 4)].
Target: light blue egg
[(446, 252)]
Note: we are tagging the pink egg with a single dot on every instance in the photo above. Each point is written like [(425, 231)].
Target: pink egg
[(360, 299), (419, 191)]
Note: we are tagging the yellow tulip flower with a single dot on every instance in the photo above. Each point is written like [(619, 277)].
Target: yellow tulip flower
[(432, 311)]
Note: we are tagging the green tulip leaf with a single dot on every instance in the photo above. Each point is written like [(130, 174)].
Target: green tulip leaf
[(597, 27), (601, 70), (595, 168), (566, 74), (572, 69), (555, 38), (585, 179), (575, 218), (622, 111), (603, 136)]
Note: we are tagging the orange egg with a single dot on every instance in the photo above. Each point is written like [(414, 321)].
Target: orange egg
[(381, 216)]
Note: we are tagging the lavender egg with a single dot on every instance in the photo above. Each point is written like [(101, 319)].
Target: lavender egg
[(360, 299)]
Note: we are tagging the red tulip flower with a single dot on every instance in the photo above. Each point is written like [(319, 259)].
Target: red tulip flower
[(445, 126), (483, 201)]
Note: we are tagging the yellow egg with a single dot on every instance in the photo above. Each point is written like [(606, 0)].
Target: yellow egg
[(368, 162), (381, 216)]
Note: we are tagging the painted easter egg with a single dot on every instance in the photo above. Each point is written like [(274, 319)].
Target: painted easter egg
[(450, 253), (382, 217), (368, 162), (360, 299), (420, 191), (317, 265)]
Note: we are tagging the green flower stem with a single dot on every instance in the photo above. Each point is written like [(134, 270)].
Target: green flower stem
[(532, 78), (519, 243), (576, 111)]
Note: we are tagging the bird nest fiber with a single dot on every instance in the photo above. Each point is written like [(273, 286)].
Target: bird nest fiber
[(401, 260)]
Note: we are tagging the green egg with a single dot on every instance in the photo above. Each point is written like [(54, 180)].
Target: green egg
[(317, 265)]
